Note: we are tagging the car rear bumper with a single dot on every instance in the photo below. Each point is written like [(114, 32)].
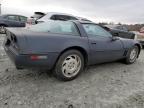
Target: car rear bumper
[(24, 60)]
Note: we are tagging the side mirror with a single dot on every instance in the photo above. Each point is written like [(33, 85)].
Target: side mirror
[(115, 38)]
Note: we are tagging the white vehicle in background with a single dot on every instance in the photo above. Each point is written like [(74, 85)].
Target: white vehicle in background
[(139, 36), (32, 20), (39, 17), (142, 30)]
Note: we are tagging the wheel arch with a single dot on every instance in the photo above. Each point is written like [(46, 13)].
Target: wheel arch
[(139, 46), (80, 49)]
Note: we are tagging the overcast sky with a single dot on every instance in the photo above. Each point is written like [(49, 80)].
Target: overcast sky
[(124, 11)]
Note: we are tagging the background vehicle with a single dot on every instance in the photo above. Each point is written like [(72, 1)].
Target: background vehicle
[(12, 20), (123, 32), (120, 31), (39, 17), (142, 30), (67, 47), (139, 37), (56, 16), (32, 20)]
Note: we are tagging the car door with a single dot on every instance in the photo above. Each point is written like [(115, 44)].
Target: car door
[(13, 21), (102, 47), (23, 21)]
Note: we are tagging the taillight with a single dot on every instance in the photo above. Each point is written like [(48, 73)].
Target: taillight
[(38, 57), (34, 57)]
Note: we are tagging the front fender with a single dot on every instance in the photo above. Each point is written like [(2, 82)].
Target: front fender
[(129, 43)]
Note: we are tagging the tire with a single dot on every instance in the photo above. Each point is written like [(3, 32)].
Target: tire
[(132, 55), (2, 31), (69, 65)]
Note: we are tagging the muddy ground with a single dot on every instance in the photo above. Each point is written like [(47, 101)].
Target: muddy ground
[(110, 85)]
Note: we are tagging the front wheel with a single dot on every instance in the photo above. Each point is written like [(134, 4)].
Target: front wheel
[(69, 65), (132, 55)]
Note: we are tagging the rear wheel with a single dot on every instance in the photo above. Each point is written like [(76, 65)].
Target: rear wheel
[(69, 65), (132, 55)]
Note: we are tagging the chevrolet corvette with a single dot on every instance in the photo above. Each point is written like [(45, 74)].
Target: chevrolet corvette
[(67, 47)]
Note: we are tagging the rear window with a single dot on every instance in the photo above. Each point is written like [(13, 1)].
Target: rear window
[(62, 27)]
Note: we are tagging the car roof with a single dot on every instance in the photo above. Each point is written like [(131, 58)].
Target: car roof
[(49, 14)]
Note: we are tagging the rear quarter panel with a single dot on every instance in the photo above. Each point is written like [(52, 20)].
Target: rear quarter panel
[(53, 43)]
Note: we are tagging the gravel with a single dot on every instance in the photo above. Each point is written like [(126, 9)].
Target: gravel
[(110, 85)]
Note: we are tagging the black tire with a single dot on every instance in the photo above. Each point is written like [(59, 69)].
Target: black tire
[(59, 74), (128, 59)]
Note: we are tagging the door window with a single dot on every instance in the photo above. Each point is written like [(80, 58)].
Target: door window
[(53, 17), (95, 30), (125, 29), (61, 17), (23, 19), (13, 18), (72, 18)]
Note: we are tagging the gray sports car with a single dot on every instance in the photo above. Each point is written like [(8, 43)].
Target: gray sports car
[(66, 47)]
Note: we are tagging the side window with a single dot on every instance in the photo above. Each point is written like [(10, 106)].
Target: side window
[(13, 18), (61, 17), (125, 29), (53, 17), (23, 19), (72, 18), (95, 30), (119, 27), (64, 28), (60, 27)]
